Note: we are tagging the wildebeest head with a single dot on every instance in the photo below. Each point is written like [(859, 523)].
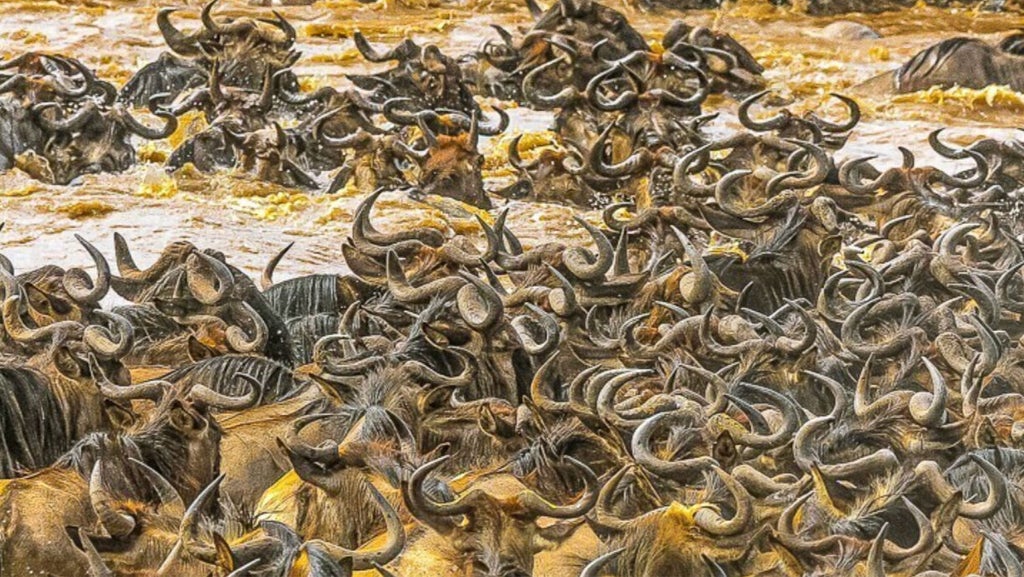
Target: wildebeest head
[(189, 286), (184, 437), (425, 75), (52, 294), (728, 63), (556, 175), (51, 78), (650, 80), (269, 155), (450, 165), (243, 45), (79, 352), (227, 110), (237, 106), (810, 127), (568, 32), (587, 22), (666, 539), (492, 526), (93, 139)]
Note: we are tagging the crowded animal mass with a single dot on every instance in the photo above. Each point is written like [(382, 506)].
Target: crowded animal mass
[(660, 289)]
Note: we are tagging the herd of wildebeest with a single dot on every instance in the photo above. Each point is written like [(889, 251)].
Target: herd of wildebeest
[(766, 362)]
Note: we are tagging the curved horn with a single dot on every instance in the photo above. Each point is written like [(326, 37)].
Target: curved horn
[(596, 567), (237, 337), (929, 409), (479, 304), (636, 162), (127, 268), (211, 398), (928, 473), (223, 29), (679, 470), (209, 279), (539, 506), (436, 515), (103, 343), (402, 51), (78, 284), (776, 122), (176, 40), (710, 521), (790, 423), (624, 100), (170, 500), (421, 373), (560, 99), (171, 122), (583, 264), (521, 324), (690, 163), (72, 123), (404, 292), (363, 560), (103, 503), (267, 280), (854, 116)]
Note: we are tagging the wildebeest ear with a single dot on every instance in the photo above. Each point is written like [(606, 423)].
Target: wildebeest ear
[(830, 245), (328, 390), (120, 417), (225, 558), (492, 425), (432, 59), (552, 536), (321, 564), (66, 363), (44, 303), (307, 469), (725, 449), (197, 351)]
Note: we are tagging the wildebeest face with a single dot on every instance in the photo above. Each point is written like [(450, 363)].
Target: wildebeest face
[(195, 437), (493, 527), (103, 148), (434, 76), (591, 22), (453, 168)]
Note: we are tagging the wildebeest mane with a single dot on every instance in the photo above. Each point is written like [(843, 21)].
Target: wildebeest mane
[(304, 296), (306, 331), (220, 374), (32, 424)]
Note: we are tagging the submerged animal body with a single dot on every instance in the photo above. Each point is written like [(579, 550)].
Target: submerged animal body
[(958, 62)]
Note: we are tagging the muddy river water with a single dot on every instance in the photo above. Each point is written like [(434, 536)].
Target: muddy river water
[(251, 221)]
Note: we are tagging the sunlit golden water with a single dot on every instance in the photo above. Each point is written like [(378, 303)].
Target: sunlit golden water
[(250, 221)]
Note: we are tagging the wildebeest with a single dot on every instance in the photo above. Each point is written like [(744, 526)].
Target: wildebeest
[(961, 61)]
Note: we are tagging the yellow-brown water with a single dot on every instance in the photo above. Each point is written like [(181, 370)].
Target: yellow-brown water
[(251, 221)]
